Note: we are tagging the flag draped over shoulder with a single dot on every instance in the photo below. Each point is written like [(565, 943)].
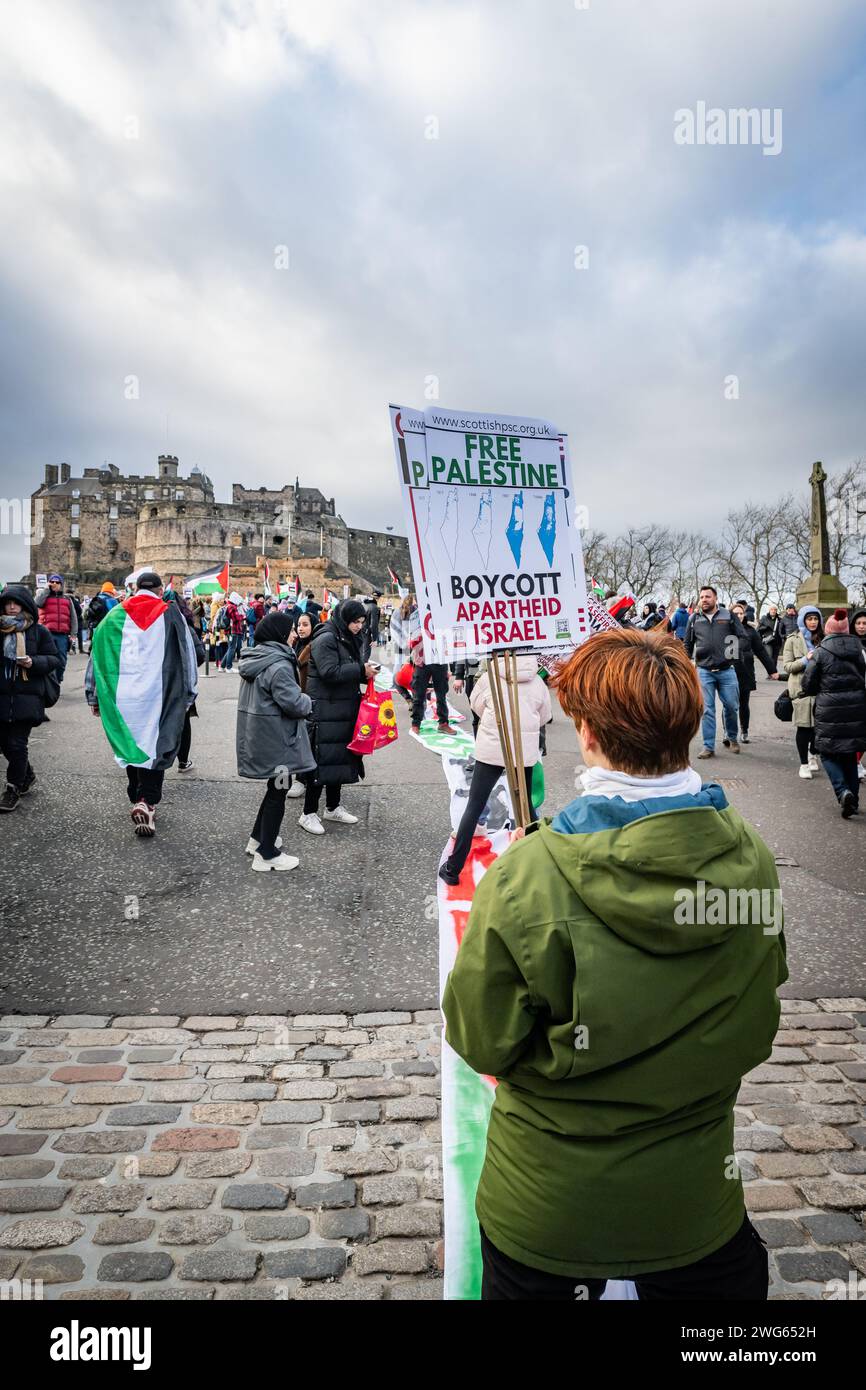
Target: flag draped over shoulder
[(143, 676)]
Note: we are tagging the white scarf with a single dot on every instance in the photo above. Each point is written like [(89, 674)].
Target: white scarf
[(603, 781)]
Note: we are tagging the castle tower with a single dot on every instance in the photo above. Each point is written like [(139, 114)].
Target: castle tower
[(168, 467)]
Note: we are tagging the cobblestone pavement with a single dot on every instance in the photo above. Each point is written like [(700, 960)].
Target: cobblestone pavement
[(298, 1157)]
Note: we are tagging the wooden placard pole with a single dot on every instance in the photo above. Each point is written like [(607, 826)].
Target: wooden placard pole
[(512, 746)]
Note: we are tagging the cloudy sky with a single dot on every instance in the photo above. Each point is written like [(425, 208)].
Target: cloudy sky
[(153, 158)]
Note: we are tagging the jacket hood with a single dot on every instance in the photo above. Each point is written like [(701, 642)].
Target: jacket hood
[(801, 617), (844, 644), (652, 870), (254, 660), (23, 596), (858, 613), (527, 669)]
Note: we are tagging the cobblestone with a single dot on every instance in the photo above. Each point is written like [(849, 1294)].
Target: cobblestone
[(292, 1110)]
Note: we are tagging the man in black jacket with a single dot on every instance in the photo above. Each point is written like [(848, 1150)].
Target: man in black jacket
[(713, 638), (789, 622)]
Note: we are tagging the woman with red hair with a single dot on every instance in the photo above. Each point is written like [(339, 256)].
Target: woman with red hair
[(618, 976)]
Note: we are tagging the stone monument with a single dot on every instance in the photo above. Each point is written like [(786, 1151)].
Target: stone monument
[(821, 588)]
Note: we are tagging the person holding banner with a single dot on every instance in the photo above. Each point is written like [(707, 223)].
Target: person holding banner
[(618, 976), (534, 711)]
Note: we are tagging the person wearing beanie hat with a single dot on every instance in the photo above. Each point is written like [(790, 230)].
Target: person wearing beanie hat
[(836, 677), (335, 673), (272, 741), (57, 612)]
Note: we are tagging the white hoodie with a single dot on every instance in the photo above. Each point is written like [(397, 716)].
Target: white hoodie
[(534, 701)]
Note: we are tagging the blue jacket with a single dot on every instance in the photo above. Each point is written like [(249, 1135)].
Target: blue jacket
[(679, 622)]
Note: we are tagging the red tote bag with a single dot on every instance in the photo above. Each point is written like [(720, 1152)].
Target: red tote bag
[(376, 725)]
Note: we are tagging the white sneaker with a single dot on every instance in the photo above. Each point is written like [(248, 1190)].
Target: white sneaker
[(806, 771), (296, 789), (281, 864), (252, 845), (311, 823), (861, 771), (813, 763), (341, 815)]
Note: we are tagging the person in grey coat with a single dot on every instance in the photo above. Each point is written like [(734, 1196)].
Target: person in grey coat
[(272, 738)]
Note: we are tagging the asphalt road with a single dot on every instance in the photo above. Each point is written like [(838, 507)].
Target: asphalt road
[(93, 920)]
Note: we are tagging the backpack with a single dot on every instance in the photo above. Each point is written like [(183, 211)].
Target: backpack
[(223, 621), (96, 610), (50, 689)]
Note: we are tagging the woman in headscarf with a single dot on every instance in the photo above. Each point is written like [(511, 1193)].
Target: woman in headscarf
[(800, 648), (272, 739), (336, 671), (28, 658)]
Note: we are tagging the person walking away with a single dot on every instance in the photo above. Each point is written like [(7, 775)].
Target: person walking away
[(534, 708), (236, 628), (800, 648), (713, 638), (425, 673), (141, 679), (618, 1022), (272, 740), (857, 623), (336, 670), (836, 677), (679, 621), (790, 622), (99, 605), (184, 759), (255, 615), (404, 622), (373, 619), (300, 640), (57, 613), (750, 647), (770, 631), (29, 673), (199, 615), (221, 625)]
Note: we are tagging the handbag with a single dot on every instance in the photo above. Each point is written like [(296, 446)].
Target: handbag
[(783, 707), (376, 724)]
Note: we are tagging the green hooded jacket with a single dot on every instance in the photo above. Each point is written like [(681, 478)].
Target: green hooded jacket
[(619, 1030)]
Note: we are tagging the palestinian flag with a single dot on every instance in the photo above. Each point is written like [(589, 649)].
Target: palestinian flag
[(268, 590), (215, 581), (143, 671), (597, 589), (397, 585)]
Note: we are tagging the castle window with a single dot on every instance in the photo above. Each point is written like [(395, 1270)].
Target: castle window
[(112, 512), (179, 494), (112, 531), (148, 494), (75, 509), (76, 492), (74, 531), (166, 492), (118, 496), (154, 511)]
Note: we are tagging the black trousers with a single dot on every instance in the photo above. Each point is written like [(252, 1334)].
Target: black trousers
[(484, 779), (143, 784), (437, 675), (185, 740), (805, 742), (745, 696), (270, 818), (739, 1270), (313, 795), (13, 746)]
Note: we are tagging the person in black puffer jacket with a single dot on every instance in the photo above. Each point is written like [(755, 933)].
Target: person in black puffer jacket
[(28, 656), (857, 625), (837, 679), (336, 671)]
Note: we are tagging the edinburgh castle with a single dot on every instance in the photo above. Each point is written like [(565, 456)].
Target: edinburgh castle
[(105, 524)]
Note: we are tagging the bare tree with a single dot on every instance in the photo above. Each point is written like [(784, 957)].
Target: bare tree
[(754, 553)]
